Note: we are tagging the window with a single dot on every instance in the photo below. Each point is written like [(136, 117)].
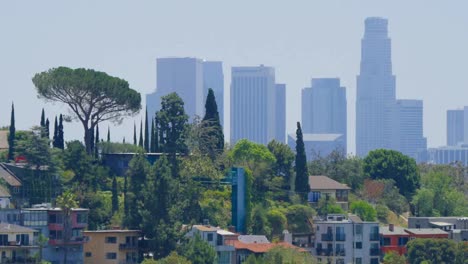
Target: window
[(402, 241), (111, 240), (210, 237), (386, 241), (340, 261), (358, 245), (3, 240), (358, 261), (55, 219), (88, 254), (314, 197), (358, 230), (374, 261), (23, 239), (55, 234), (111, 255), (76, 232), (81, 218)]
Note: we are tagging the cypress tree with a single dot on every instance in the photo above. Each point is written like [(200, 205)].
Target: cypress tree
[(147, 139), (140, 142), (43, 118), (123, 140), (55, 138), (96, 149), (60, 138), (153, 138), (213, 131), (11, 135), (115, 196), (47, 128), (108, 134), (302, 177), (134, 135)]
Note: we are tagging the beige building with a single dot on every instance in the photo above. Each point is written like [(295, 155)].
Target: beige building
[(322, 186), (17, 243), (111, 246)]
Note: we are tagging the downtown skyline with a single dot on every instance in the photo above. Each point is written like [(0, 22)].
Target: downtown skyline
[(337, 61)]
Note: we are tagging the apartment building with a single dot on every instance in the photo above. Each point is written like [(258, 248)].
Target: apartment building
[(17, 244), (111, 246), (322, 186), (341, 239)]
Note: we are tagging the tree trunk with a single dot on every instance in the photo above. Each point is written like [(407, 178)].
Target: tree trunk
[(88, 138)]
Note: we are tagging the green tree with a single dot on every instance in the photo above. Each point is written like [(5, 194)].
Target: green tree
[(66, 202), (432, 251), (277, 221), (76, 160), (140, 142), (92, 96), (60, 134), (43, 122), (47, 129), (364, 210), (212, 138), (172, 123), (108, 134), (327, 205), (280, 255), (41, 242), (173, 258), (96, 143), (390, 164), (147, 138), (101, 203), (154, 138), (137, 173), (115, 195), (55, 137), (198, 251), (284, 162), (134, 135), (12, 135), (301, 185), (35, 148), (300, 218), (394, 258), (260, 224)]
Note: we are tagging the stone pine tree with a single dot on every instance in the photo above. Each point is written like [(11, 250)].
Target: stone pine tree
[(134, 135), (147, 138), (115, 195), (140, 142), (302, 182), (11, 135), (212, 137), (54, 138), (96, 147), (60, 134), (108, 134)]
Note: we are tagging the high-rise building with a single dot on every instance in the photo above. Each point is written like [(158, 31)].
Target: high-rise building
[(183, 76), (375, 102), (253, 99), (280, 113), (213, 78), (411, 139), (324, 108), (455, 127)]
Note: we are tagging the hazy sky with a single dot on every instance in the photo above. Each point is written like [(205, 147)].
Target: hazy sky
[(302, 39)]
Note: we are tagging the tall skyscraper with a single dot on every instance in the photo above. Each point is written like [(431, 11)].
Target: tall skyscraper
[(324, 108), (253, 99), (411, 139), (183, 76), (376, 112), (213, 78), (455, 127), (280, 113)]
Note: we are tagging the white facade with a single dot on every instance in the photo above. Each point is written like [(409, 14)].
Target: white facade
[(324, 108), (448, 155), (412, 141), (253, 100), (343, 240)]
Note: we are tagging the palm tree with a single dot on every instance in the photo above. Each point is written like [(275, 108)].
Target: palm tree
[(66, 201), (41, 242)]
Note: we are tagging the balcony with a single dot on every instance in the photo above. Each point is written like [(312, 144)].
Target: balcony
[(374, 237), (128, 246), (327, 237), (324, 252), (375, 251), (340, 252), (340, 237)]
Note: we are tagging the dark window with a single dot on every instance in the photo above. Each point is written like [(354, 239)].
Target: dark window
[(81, 218), (111, 240), (358, 230), (374, 261), (358, 245), (3, 240), (23, 239), (88, 254), (111, 255), (55, 234), (358, 261), (55, 219), (402, 241), (386, 241), (210, 237)]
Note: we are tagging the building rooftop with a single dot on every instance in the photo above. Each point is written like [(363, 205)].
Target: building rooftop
[(205, 228), (441, 224), (223, 232), (9, 176), (3, 139), (253, 239), (426, 231), (4, 192), (397, 230), (10, 228), (317, 137), (325, 183), (261, 247), (113, 231)]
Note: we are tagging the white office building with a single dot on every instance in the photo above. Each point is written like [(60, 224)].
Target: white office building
[(411, 139)]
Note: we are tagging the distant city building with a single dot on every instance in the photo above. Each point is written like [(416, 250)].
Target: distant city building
[(411, 139), (346, 239), (324, 108), (253, 99), (455, 127), (375, 102), (448, 155), (280, 113), (319, 145), (213, 78)]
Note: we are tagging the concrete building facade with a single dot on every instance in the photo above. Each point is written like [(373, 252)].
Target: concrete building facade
[(455, 127), (111, 247), (319, 145), (410, 129), (280, 130)]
